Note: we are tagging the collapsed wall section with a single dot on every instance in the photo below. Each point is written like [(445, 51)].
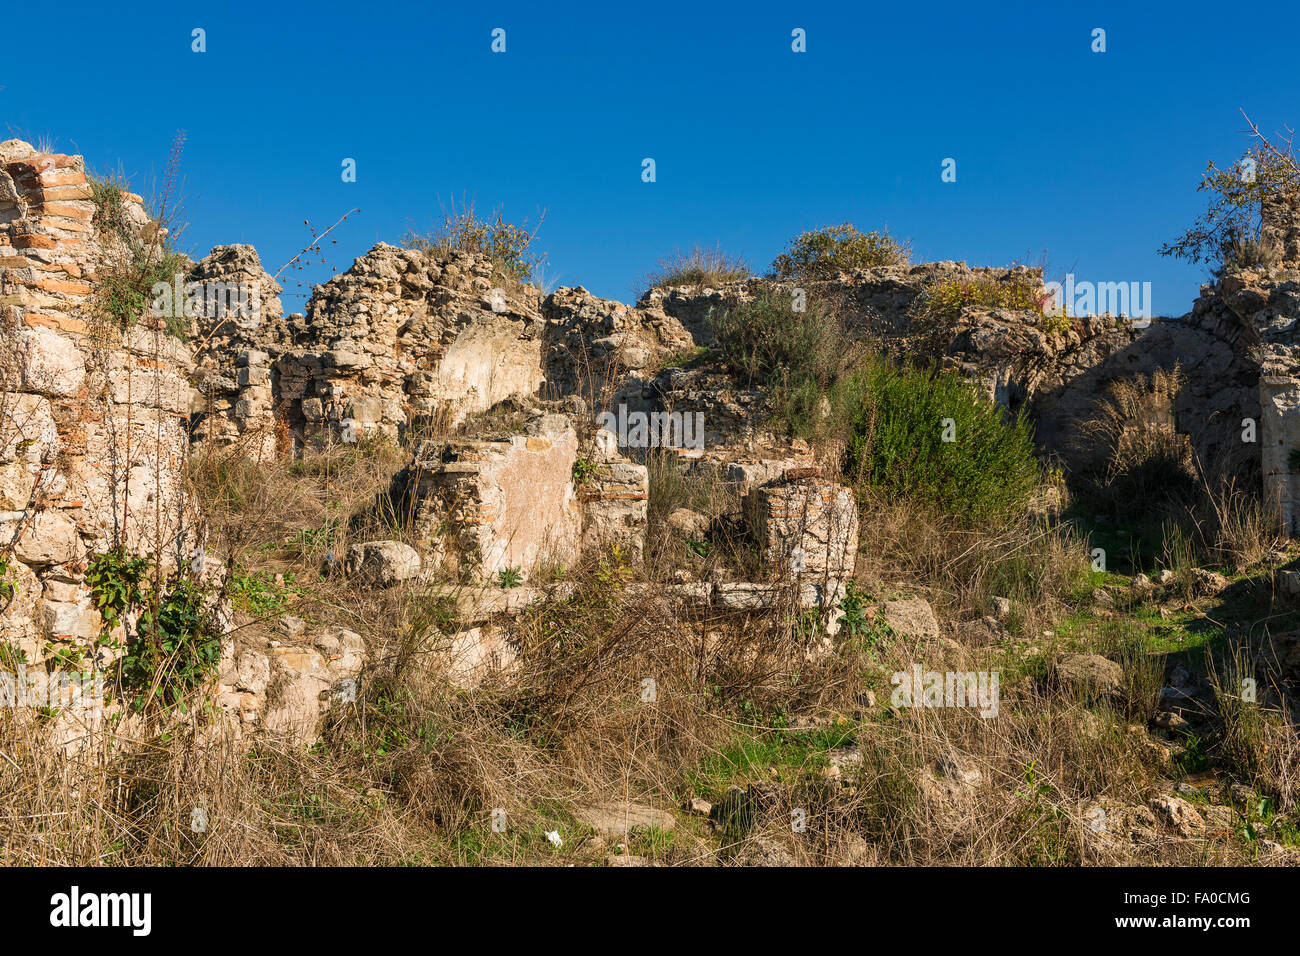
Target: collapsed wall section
[(407, 338), (480, 508), (239, 330), (1057, 372)]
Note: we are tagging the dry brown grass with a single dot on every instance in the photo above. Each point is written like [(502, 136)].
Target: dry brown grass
[(414, 770), (1037, 565), (1147, 471), (1258, 740), (1144, 460), (701, 268)]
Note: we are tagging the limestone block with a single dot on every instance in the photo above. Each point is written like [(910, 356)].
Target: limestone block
[(50, 537), (50, 363)]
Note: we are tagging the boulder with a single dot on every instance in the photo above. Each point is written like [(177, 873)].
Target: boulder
[(1178, 814), (1089, 674), (912, 618), (617, 818), (688, 523), (383, 563)]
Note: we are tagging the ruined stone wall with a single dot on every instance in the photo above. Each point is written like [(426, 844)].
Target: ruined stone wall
[(606, 352), (805, 527), (1264, 306), (615, 498), (405, 337), (478, 508), (1058, 375), (1280, 229), (239, 333), (92, 420)]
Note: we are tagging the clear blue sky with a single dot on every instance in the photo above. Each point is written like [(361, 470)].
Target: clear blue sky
[(1088, 159)]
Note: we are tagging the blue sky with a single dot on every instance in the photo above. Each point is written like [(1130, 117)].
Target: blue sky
[(1087, 160)]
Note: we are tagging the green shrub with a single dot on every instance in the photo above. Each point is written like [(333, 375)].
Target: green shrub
[(765, 338), (134, 259), (900, 422), (821, 385), (176, 649), (796, 356), (822, 253), (1056, 324), (11, 657), (177, 641), (115, 580)]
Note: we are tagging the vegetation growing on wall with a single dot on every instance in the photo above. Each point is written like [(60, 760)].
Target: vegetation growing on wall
[(1227, 236)]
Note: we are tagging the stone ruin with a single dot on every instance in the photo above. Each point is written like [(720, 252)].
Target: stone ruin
[(92, 420), (404, 338), (410, 340), (94, 436), (239, 335), (1234, 349), (480, 508), (429, 346)]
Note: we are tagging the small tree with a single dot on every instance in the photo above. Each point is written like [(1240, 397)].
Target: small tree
[(1228, 234)]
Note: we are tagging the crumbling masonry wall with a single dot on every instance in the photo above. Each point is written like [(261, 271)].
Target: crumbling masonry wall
[(239, 334), (403, 338), (479, 508), (92, 420)]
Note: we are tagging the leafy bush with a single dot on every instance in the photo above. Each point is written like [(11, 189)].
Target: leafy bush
[(820, 384), (123, 290), (766, 339), (796, 356), (115, 580), (698, 268), (1056, 324), (176, 649), (11, 657), (177, 641), (135, 257), (823, 253), (915, 433), (507, 245)]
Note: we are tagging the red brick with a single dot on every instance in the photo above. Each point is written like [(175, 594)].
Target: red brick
[(30, 241), (62, 209), (65, 178), (64, 286), (62, 323), (57, 193)]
